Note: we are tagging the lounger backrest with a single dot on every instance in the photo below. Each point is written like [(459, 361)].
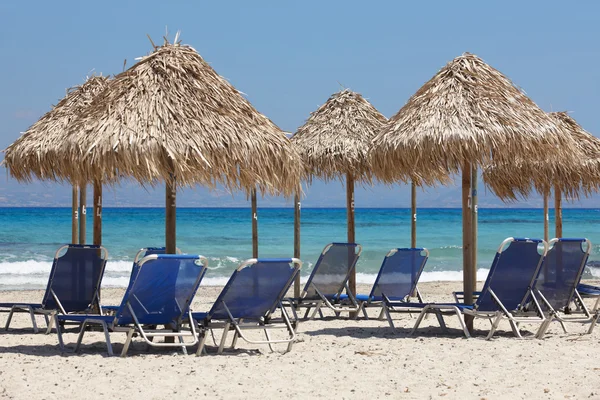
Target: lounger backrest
[(255, 289), (561, 271), (75, 277), (512, 274), (332, 270), (162, 289), (147, 251), (399, 274)]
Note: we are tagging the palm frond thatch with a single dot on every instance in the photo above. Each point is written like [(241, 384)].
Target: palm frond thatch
[(580, 176), (467, 113), (335, 139), (172, 114), (40, 151)]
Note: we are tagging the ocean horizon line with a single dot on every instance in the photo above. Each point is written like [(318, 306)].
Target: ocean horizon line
[(291, 208)]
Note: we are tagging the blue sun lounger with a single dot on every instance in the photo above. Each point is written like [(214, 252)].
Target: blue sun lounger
[(506, 291), (397, 279), (556, 286), (327, 281), (159, 293), (72, 287), (248, 300), (143, 252)]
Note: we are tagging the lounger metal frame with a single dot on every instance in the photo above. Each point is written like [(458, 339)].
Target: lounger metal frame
[(137, 328), (241, 324), (50, 313), (336, 304), (515, 317), (388, 306), (567, 314)]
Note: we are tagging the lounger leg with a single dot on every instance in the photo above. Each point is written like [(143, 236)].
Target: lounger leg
[(563, 326), (543, 328), (594, 321), (128, 340), (80, 337), (33, 322), (47, 323), (234, 341), (461, 319), (61, 344), (223, 338), (107, 338), (388, 316), (515, 329), (202, 337), (269, 340), (440, 319), (495, 324), (419, 319), (596, 304), (362, 308), (317, 310), (10, 315), (183, 348), (381, 314), (306, 312)]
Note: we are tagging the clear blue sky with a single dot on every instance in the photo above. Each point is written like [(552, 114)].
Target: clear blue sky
[(288, 57)]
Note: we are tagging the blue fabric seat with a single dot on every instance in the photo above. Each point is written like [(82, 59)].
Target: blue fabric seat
[(160, 291), (248, 300), (506, 291), (143, 252), (73, 285)]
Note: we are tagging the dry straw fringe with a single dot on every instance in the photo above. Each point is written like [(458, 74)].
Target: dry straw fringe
[(171, 114), (334, 141), (580, 176), (40, 152), (467, 113)]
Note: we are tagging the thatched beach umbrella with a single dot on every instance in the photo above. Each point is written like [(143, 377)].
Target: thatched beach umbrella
[(172, 118), (334, 143), (40, 152), (580, 176), (465, 116)]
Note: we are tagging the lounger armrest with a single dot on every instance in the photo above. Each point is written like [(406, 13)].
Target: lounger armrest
[(459, 297)]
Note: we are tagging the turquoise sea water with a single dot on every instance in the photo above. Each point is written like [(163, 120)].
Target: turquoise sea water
[(30, 236)]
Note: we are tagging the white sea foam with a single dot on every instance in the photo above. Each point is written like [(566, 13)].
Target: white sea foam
[(595, 272), (33, 274)]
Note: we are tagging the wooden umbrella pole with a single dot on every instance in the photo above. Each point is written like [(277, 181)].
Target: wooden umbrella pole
[(546, 216), (413, 212), (474, 216), (558, 233), (82, 212), (467, 238), (97, 212), (171, 215), (74, 216), (350, 216), (297, 208), (254, 224)]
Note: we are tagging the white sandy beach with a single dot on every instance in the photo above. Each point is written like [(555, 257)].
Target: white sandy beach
[(333, 358)]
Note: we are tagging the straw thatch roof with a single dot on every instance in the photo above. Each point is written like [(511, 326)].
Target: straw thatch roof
[(522, 176), (335, 139), (171, 113), (467, 113), (40, 152)]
